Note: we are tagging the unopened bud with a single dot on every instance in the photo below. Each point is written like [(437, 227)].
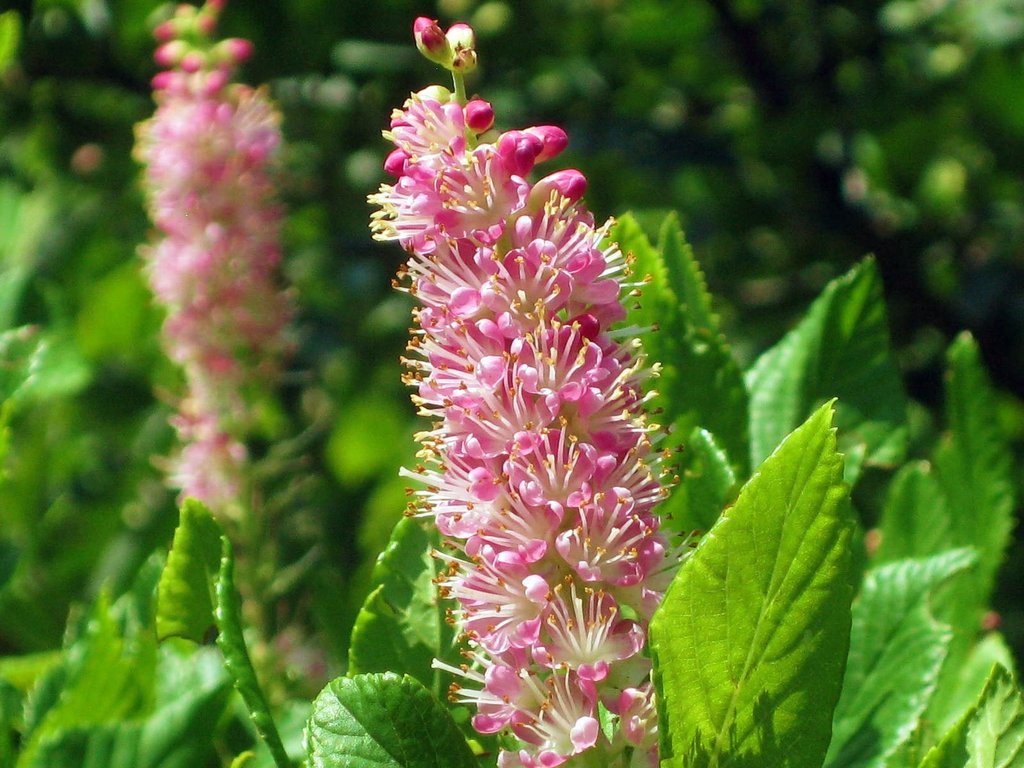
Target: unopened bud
[(462, 40), (437, 93), (479, 115), (394, 163), (519, 150), (193, 61), (569, 183), (169, 54), (431, 41), (554, 139), (461, 37), (234, 50)]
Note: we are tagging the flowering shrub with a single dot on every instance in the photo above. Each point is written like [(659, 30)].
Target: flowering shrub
[(544, 602)]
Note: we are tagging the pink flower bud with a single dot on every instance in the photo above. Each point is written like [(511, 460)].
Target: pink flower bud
[(431, 41), (166, 31), (569, 183), (235, 49), (554, 139), (461, 37), (519, 150), (395, 162), (193, 61), (479, 115), (170, 53), (206, 23)]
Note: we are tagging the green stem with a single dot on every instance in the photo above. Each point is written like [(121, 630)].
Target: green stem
[(231, 641), (460, 87)]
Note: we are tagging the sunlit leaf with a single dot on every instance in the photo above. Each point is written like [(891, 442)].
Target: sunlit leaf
[(896, 651), (751, 640), (840, 349), (401, 627)]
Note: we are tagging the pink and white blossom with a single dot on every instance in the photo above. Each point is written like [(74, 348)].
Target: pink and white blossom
[(539, 468)]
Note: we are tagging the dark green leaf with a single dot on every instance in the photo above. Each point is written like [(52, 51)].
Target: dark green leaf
[(401, 626), (750, 642), (840, 349), (383, 721), (896, 651), (185, 596)]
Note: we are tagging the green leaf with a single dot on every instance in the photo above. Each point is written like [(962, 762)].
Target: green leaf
[(840, 349), (990, 734), (401, 627), (973, 470), (36, 365), (10, 36), (973, 466), (185, 596), (706, 483), (915, 520), (750, 642), (231, 642), (383, 721), (896, 651), (700, 384), (106, 678), (177, 733)]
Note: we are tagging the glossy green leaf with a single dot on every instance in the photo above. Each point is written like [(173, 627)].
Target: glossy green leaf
[(383, 721), (185, 596), (401, 627), (990, 734), (751, 640), (700, 384), (840, 349), (896, 651), (973, 470), (706, 483)]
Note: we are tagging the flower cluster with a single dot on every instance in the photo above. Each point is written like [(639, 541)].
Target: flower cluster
[(206, 153), (539, 469)]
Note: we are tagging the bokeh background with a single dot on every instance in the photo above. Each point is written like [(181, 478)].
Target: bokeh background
[(792, 137)]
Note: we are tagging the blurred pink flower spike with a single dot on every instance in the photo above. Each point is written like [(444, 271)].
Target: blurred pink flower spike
[(212, 266)]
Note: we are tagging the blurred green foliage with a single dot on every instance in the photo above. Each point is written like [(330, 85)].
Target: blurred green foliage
[(792, 137)]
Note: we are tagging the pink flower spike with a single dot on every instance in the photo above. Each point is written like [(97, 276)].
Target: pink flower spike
[(539, 467)]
